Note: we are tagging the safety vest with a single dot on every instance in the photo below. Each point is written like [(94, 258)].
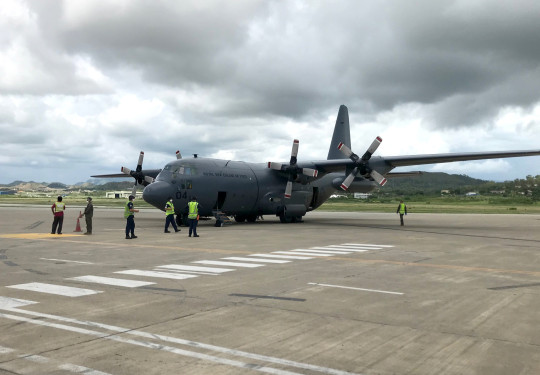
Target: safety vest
[(169, 208), (127, 212), (402, 208), (193, 210), (59, 207)]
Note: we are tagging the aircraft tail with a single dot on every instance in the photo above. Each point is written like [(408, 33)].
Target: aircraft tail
[(342, 133)]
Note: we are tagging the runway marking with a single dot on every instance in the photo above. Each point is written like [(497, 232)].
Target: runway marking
[(232, 264), (278, 256), (67, 261), (37, 236), (366, 244), (42, 360), (67, 291), (339, 248), (81, 369), (165, 348), (111, 281), (326, 251), (258, 296), (353, 288), (4, 350), (299, 252), (159, 274), (10, 303), (258, 260), (196, 268)]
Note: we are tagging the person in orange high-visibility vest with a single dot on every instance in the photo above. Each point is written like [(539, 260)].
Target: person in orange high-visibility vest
[(58, 209), (401, 210)]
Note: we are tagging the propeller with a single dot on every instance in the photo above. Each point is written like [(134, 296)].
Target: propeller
[(362, 164), (292, 169), (137, 174), (178, 155)]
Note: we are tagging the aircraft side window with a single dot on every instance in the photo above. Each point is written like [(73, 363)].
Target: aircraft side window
[(181, 170), (167, 168)]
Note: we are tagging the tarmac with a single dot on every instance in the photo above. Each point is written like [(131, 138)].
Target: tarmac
[(340, 293)]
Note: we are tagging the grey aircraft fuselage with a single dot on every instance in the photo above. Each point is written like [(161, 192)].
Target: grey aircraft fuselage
[(241, 189)]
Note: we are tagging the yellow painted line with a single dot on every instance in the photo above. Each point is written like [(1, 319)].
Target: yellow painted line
[(37, 236)]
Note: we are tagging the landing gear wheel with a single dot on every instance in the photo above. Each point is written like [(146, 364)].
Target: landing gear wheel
[(285, 219), (239, 218), (251, 218), (218, 223)]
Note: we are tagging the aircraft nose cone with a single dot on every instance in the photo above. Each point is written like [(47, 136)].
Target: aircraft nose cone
[(157, 193)]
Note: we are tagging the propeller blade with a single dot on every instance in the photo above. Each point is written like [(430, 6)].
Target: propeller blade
[(343, 148), (345, 184), (310, 172), (294, 151), (178, 154), (288, 189), (134, 190), (126, 170), (372, 148), (379, 178), (276, 166), (139, 164), (149, 179)]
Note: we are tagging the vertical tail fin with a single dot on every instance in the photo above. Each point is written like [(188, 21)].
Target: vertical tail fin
[(342, 133)]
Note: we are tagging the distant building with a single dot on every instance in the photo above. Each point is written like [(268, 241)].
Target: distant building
[(7, 192), (122, 194), (471, 194), (445, 192), (362, 195)]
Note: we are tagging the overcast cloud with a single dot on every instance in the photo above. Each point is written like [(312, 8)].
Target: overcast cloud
[(86, 84)]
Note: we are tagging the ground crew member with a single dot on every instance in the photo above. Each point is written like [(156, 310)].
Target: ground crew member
[(129, 214), (401, 210), (193, 216), (58, 209), (169, 218), (88, 214)]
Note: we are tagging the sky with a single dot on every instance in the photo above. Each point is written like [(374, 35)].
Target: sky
[(85, 85)]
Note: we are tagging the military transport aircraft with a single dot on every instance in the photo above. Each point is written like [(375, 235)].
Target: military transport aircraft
[(288, 190)]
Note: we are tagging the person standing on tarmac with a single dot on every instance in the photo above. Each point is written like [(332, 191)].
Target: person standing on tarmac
[(88, 214), (401, 210), (129, 214), (58, 209), (169, 212), (193, 216)]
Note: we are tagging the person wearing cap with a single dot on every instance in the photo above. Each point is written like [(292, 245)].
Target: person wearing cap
[(129, 215), (88, 214), (58, 209), (169, 218)]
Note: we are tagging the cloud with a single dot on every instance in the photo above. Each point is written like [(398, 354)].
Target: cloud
[(88, 84)]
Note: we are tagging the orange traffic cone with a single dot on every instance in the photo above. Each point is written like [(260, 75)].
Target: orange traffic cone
[(78, 227)]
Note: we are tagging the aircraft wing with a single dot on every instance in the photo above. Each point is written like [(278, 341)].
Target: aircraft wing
[(402, 161), (387, 163)]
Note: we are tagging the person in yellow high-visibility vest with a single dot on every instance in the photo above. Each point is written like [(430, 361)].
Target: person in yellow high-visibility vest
[(169, 218), (58, 209), (401, 210), (193, 216)]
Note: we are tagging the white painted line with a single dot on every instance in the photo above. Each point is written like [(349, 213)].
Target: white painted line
[(60, 290), (4, 350), (348, 247), (231, 264), (278, 256), (153, 336), (196, 269), (299, 252), (259, 260), (350, 287), (34, 358), (9, 303), (339, 249), (81, 369), (163, 275), (327, 251), (198, 273), (151, 345), (367, 244), (111, 281), (67, 261)]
